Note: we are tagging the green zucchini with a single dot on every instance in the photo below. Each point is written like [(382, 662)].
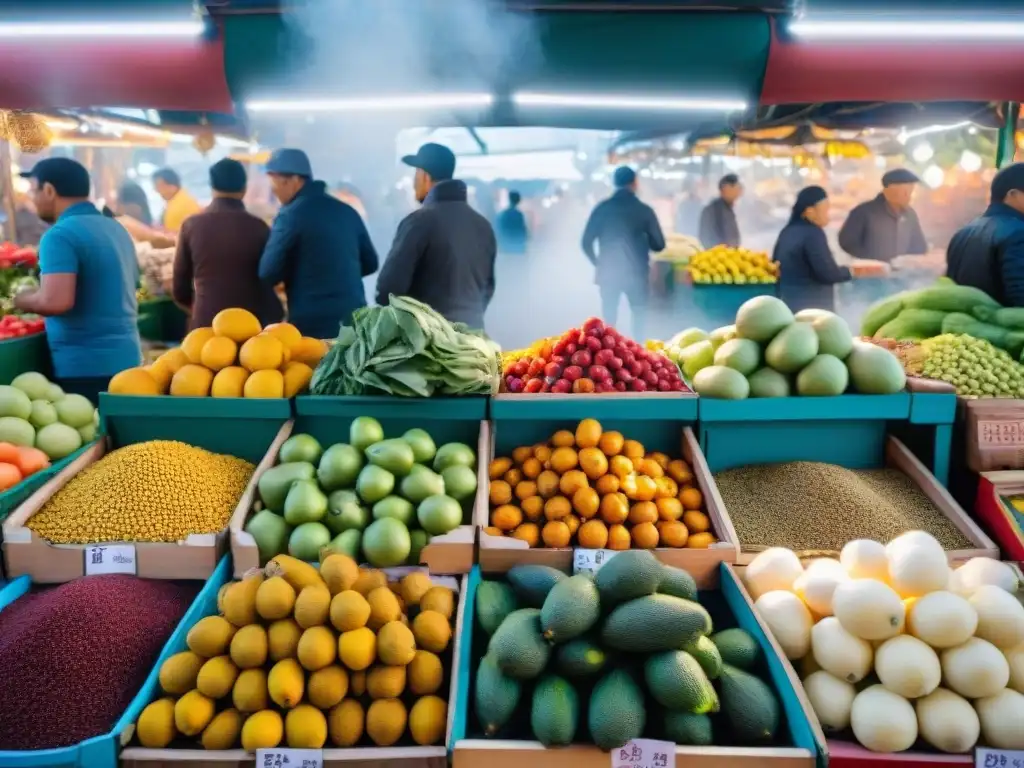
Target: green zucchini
[(880, 313), (948, 298)]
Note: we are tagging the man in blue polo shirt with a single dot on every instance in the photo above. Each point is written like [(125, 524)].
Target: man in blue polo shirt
[(88, 275)]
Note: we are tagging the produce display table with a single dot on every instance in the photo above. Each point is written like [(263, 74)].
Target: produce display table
[(21, 355), (854, 297), (162, 320)]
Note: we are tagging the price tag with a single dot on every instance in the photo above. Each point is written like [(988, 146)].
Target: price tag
[(591, 560), (998, 758), (645, 753), (289, 758), (109, 558)]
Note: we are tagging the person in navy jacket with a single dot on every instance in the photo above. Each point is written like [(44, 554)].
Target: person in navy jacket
[(808, 270), (319, 248), (989, 252)]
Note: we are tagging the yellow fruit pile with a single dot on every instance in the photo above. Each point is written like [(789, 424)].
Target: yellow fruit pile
[(300, 655), (733, 266), (596, 490), (534, 350), (160, 490), (234, 358)]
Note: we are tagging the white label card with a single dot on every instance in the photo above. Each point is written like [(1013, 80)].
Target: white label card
[(281, 757), (645, 753), (998, 758), (109, 558), (591, 560)]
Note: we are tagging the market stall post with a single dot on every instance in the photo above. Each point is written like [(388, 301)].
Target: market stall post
[(7, 190), (1006, 148)]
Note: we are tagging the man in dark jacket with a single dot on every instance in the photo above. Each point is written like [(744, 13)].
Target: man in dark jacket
[(443, 254), (989, 252), (718, 219), (511, 226), (887, 226), (319, 248), (217, 263), (625, 231)]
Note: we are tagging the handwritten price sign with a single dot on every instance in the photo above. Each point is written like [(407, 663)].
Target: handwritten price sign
[(289, 758), (591, 560), (645, 753), (998, 758)]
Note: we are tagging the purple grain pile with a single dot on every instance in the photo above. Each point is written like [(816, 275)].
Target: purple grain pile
[(73, 656)]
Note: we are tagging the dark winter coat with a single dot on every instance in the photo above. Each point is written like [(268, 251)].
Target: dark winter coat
[(625, 232), (989, 254), (808, 269), (874, 231)]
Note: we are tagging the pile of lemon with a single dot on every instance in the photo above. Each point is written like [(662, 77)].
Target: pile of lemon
[(732, 266), (236, 357)]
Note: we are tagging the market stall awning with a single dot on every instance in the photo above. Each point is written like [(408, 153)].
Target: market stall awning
[(174, 74), (802, 72)]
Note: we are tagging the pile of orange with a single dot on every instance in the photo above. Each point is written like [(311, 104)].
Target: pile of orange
[(596, 490)]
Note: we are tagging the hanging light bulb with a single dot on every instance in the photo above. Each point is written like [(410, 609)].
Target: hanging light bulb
[(922, 152), (970, 161), (933, 176)]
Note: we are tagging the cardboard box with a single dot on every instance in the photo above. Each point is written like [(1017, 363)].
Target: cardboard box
[(360, 757), (27, 553), (448, 554), (807, 741), (994, 434), (499, 553)]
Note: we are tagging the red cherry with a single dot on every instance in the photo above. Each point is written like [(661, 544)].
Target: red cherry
[(599, 373), (614, 364), (533, 385), (620, 386), (623, 374), (573, 373), (561, 386), (601, 357), (582, 358), (638, 385), (552, 370)]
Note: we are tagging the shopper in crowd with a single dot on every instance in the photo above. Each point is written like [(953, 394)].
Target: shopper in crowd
[(319, 248), (511, 227), (132, 201), (718, 224), (885, 227), (988, 253), (808, 269), (443, 253), (180, 204), (217, 263), (88, 273), (624, 231)]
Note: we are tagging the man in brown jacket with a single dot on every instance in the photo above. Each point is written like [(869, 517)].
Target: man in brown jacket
[(217, 263)]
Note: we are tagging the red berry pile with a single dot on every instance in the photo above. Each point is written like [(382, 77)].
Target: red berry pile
[(594, 358)]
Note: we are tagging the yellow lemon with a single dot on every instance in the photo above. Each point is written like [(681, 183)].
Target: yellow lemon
[(262, 384), (286, 333), (296, 378), (192, 345), (161, 372), (218, 352), (237, 324), (173, 360), (262, 353), (192, 381), (309, 351), (134, 381), (229, 382)]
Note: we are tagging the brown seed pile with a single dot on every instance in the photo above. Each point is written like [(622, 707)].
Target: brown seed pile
[(72, 657), (806, 505), (160, 490)]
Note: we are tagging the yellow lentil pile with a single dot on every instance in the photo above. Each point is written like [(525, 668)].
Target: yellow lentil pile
[(806, 505), (162, 490)]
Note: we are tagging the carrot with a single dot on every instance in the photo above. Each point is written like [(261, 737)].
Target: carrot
[(9, 453), (31, 460), (10, 476)]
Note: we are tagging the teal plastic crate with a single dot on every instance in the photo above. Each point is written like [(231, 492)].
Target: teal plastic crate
[(711, 306), (801, 738), (28, 353), (930, 432), (848, 430), (102, 751), (235, 426), (164, 320)]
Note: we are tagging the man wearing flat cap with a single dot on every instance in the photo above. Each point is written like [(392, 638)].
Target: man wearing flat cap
[(443, 254), (887, 226), (217, 263), (989, 252), (319, 248), (624, 231)]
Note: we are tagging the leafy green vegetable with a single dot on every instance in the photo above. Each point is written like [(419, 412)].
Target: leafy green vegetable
[(407, 349)]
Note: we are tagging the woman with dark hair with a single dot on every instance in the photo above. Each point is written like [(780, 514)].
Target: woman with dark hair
[(131, 201), (808, 268)]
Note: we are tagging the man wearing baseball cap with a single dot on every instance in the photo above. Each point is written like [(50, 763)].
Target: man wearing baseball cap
[(887, 226), (443, 254), (989, 252), (88, 275), (319, 248), (624, 231)]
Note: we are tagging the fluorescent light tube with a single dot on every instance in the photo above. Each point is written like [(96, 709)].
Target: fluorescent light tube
[(375, 104), (810, 29), (597, 101), (155, 29)]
